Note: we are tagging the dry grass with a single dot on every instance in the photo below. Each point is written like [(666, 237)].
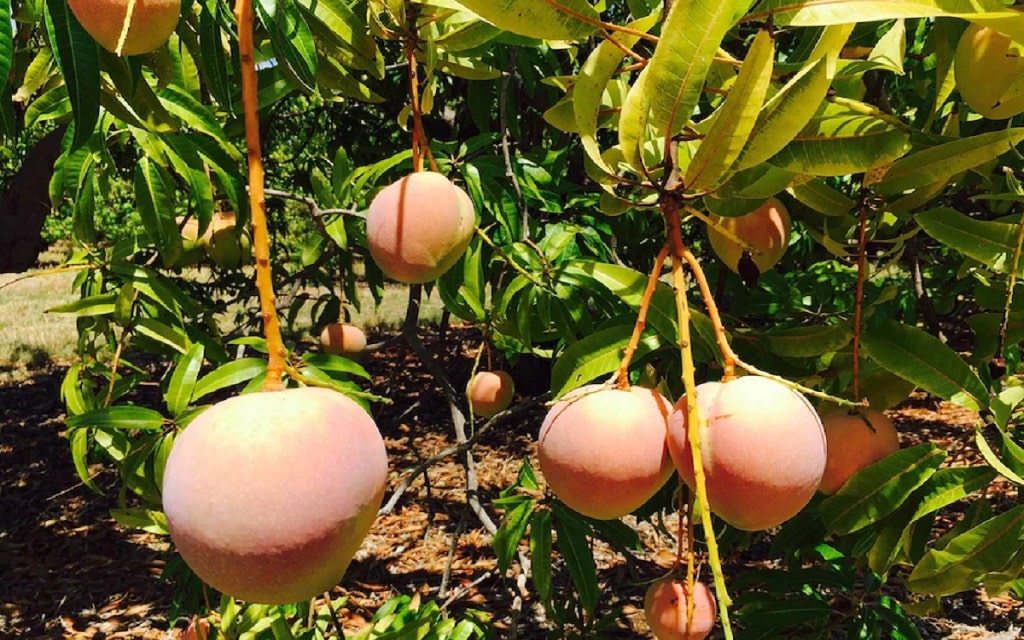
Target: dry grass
[(31, 338)]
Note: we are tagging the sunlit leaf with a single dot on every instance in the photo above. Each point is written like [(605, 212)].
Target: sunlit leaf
[(840, 141), (122, 417), (735, 119), (966, 558), (991, 243), (595, 355), (543, 19), (183, 380), (923, 359), (879, 489), (77, 55), (941, 162), (674, 76)]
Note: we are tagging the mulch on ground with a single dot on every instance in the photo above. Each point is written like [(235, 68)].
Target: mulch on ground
[(68, 570)]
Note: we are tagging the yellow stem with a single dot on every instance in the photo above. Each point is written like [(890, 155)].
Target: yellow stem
[(641, 318), (129, 12), (694, 419), (277, 353)]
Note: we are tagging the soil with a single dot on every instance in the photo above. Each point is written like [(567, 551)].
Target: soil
[(67, 570)]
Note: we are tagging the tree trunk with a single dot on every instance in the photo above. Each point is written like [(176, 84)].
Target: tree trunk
[(23, 209)]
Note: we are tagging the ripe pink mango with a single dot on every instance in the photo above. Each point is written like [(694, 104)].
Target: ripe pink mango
[(268, 495), (490, 392), (665, 606), (762, 447), (854, 442), (419, 227), (602, 449), (343, 340)]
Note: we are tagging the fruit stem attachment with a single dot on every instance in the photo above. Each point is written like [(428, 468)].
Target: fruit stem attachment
[(670, 209), (420, 143), (129, 12), (641, 318), (277, 353)]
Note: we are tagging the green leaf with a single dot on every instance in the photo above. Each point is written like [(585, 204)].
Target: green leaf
[(595, 355), (124, 417), (827, 12), (992, 459), (924, 360), (335, 364), (579, 560), (173, 336), (947, 486), (540, 553), (291, 40), (840, 141), (512, 529), (668, 89), (183, 380), (153, 198), (786, 114), (184, 106), (227, 375), (986, 331), (969, 556), (77, 55), (6, 42), (822, 198), (98, 305), (213, 60), (148, 520), (879, 489), (807, 342), (80, 456), (735, 119), (941, 162), (542, 19), (991, 243)]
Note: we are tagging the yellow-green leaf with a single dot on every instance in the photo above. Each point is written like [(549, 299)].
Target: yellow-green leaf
[(542, 19), (736, 117)]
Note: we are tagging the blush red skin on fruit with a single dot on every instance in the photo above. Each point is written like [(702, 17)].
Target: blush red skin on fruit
[(854, 442), (490, 392), (269, 495), (602, 449), (153, 22), (763, 450), (419, 227), (665, 607)]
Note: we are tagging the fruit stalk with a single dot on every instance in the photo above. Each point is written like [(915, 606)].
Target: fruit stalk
[(129, 11), (277, 354), (641, 318), (420, 144), (670, 208)]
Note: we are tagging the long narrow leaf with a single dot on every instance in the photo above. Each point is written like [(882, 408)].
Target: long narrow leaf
[(879, 489), (77, 55), (735, 119), (924, 360)]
